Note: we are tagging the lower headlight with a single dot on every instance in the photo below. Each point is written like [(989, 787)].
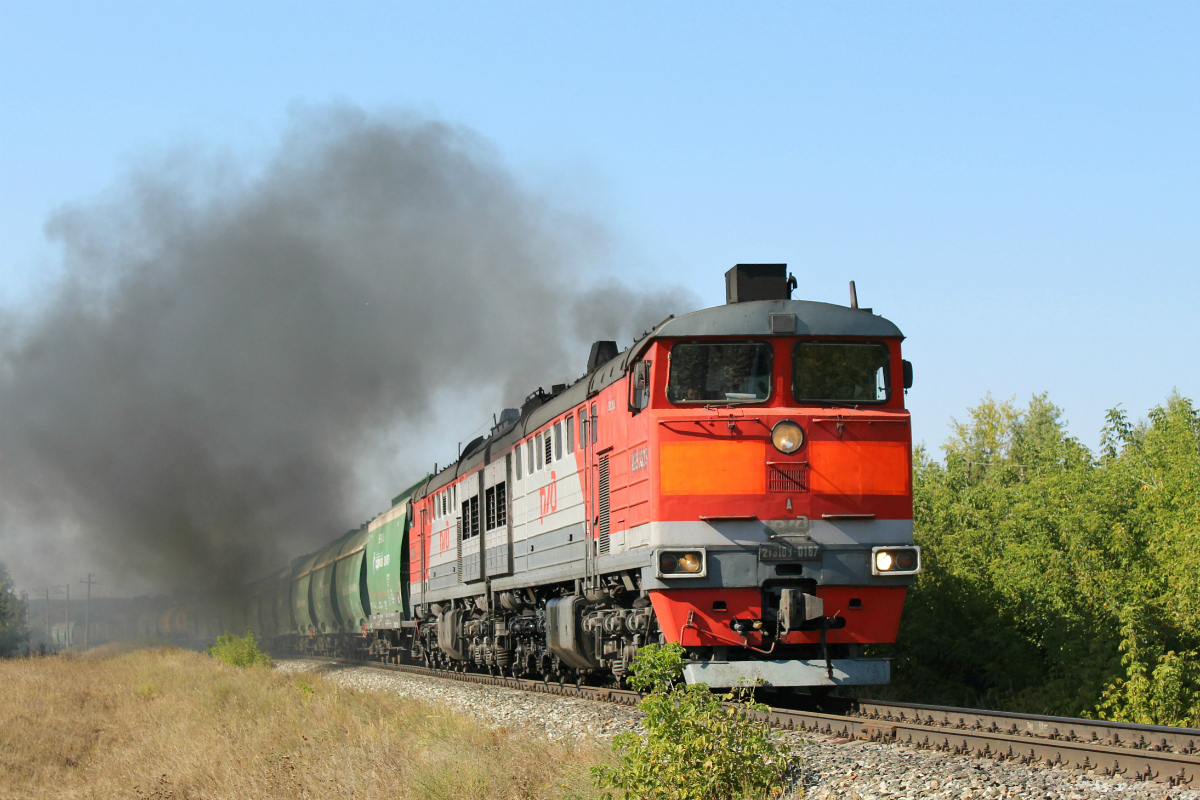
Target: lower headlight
[(895, 560), (681, 563)]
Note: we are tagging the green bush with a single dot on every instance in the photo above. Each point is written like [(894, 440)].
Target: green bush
[(696, 745), (239, 651)]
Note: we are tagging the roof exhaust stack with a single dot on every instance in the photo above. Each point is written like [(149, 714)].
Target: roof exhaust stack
[(854, 300), (747, 282)]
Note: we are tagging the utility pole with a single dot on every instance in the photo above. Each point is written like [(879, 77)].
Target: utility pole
[(67, 632), (46, 614), (87, 609), (25, 614)]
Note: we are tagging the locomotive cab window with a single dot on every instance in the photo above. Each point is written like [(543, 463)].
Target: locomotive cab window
[(840, 372), (720, 372)]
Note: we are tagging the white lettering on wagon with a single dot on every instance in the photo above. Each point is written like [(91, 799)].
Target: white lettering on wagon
[(639, 459)]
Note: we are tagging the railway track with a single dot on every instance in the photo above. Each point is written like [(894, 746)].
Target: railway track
[(1138, 752)]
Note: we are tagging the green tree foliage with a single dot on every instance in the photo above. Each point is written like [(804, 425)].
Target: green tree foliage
[(696, 745), (1055, 580), (13, 633), (239, 651)]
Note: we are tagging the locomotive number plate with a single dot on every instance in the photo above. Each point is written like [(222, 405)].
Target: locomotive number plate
[(789, 551)]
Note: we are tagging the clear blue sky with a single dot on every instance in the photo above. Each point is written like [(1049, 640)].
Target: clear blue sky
[(1016, 185)]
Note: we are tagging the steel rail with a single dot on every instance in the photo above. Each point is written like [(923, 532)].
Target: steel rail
[(1142, 752), (1117, 734), (1098, 757)]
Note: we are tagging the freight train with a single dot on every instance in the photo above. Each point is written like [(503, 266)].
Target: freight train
[(739, 481)]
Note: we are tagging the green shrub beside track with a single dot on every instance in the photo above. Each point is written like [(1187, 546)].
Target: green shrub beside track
[(694, 747), (239, 651)]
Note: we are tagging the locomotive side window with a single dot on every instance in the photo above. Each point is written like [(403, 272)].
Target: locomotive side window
[(570, 435), (529, 455), (840, 372), (720, 372), (490, 507), (538, 448), (557, 441), (517, 462)]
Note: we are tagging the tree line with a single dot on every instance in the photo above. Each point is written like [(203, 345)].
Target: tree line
[(1058, 580)]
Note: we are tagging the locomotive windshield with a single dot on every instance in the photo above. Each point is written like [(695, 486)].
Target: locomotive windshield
[(703, 372), (840, 372)]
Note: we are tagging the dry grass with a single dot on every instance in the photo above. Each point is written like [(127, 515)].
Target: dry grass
[(174, 724)]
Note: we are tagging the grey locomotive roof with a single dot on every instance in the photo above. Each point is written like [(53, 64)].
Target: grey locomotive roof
[(734, 319), (754, 319)]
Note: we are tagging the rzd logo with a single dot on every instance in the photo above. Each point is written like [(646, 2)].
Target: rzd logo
[(639, 459), (548, 498)]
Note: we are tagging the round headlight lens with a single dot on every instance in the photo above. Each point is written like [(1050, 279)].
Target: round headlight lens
[(787, 436), (906, 560), (668, 563), (689, 562), (883, 561)]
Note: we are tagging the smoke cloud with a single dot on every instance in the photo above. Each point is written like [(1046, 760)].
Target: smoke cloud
[(238, 365)]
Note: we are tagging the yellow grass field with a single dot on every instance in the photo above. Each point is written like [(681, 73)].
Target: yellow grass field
[(169, 723)]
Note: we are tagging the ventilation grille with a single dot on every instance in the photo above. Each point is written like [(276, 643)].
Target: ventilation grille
[(603, 490), (459, 537), (547, 447), (787, 478)]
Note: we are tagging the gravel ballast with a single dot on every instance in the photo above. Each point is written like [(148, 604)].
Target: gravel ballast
[(831, 767)]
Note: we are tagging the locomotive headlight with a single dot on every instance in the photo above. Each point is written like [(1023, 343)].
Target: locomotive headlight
[(681, 564), (895, 560), (787, 436)]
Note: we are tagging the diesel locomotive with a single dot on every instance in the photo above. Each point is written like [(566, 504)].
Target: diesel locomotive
[(738, 480)]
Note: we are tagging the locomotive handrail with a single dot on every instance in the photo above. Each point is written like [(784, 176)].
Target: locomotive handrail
[(706, 432)]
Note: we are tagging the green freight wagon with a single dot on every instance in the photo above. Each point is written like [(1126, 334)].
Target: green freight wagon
[(252, 615), (301, 583), (387, 562), (384, 566), (350, 582), (323, 601), (282, 601)]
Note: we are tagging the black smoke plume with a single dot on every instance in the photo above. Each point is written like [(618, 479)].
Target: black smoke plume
[(238, 365)]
